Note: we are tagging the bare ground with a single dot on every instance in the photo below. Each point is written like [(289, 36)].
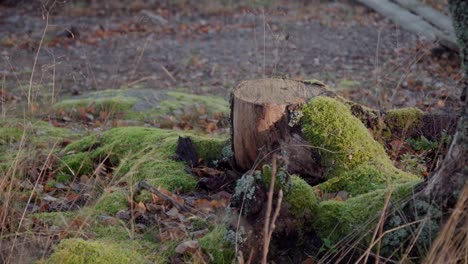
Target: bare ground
[(209, 48)]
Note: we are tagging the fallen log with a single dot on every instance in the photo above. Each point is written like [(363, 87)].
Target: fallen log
[(434, 17), (411, 22)]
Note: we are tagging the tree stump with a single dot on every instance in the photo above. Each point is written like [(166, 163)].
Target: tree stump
[(265, 116)]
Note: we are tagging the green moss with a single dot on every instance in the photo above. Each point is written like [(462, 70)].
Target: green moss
[(114, 106), (215, 245), (63, 178), (405, 118), (356, 163), (212, 149), (77, 164), (84, 144), (145, 154), (301, 198), (180, 100), (366, 177), (336, 219), (61, 219), (77, 251), (283, 179), (329, 124), (401, 123), (114, 233), (35, 131), (134, 104), (112, 201), (9, 134)]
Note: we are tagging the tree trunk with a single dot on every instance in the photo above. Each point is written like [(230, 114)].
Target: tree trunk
[(265, 113), (446, 183)]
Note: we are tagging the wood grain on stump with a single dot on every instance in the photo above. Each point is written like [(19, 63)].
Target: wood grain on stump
[(265, 115)]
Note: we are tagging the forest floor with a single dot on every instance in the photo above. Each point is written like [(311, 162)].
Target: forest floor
[(132, 65), (209, 47)]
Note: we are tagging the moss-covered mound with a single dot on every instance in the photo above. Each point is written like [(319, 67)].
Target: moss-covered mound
[(141, 154), (356, 163), (335, 220), (79, 251)]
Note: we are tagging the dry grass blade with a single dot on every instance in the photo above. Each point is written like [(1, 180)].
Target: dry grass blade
[(451, 245)]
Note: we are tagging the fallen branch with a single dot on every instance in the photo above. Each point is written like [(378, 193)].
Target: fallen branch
[(146, 186)]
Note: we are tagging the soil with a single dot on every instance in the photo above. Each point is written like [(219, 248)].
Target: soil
[(209, 47)]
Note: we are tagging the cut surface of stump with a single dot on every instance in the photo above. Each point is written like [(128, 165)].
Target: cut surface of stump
[(265, 115)]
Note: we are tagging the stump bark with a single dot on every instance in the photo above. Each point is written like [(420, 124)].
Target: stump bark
[(265, 117)]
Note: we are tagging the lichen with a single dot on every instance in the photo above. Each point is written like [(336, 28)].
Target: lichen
[(79, 251), (283, 179)]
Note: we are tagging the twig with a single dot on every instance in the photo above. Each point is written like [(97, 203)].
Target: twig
[(144, 185), (168, 73), (270, 226)]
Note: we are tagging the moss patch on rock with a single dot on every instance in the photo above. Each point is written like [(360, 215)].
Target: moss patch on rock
[(79, 251), (140, 105), (356, 163)]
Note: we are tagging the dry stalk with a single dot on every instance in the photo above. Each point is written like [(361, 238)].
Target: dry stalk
[(36, 58), (269, 226), (451, 245), (378, 229)]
